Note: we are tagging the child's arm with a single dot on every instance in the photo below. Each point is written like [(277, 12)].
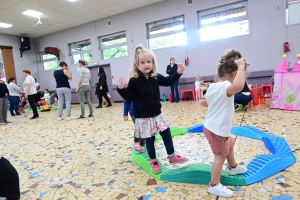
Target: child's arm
[(126, 108), (239, 80), (126, 93), (167, 81)]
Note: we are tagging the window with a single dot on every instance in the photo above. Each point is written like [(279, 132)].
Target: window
[(81, 50), (224, 22), (293, 12), (114, 45), (166, 33), (49, 61)]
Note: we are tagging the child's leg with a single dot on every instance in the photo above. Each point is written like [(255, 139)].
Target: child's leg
[(150, 147), (230, 157), (197, 94), (216, 169), (168, 142)]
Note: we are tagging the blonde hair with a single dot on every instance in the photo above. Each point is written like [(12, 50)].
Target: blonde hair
[(134, 71), (197, 78), (83, 62)]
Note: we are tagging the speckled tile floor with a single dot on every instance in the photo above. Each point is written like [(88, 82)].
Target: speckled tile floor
[(90, 158)]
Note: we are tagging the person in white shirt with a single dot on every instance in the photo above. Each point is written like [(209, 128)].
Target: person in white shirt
[(46, 96), (220, 119), (30, 92), (13, 97)]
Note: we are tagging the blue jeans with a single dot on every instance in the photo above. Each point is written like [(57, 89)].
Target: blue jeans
[(243, 99), (14, 104), (175, 87)]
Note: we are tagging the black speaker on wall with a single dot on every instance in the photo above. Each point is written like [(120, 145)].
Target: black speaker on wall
[(25, 43)]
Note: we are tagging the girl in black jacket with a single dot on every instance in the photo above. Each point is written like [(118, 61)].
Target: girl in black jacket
[(143, 89), (102, 88)]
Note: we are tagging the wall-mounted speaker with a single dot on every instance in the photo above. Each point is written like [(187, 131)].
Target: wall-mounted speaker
[(25, 43)]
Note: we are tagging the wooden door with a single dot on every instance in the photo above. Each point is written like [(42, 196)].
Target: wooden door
[(8, 62)]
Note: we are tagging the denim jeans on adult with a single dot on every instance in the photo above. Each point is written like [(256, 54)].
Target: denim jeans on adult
[(14, 104), (174, 87), (168, 142), (243, 99)]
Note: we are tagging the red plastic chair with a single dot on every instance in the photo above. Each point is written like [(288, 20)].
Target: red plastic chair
[(186, 91)]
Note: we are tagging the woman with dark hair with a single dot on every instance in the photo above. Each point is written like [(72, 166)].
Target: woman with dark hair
[(13, 97), (102, 88), (30, 92), (171, 69)]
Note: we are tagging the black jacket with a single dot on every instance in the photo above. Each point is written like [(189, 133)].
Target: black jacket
[(172, 70), (102, 82), (145, 94), (3, 90)]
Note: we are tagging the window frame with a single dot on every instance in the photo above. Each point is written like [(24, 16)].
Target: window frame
[(102, 48), (42, 61), (72, 53), (287, 3), (172, 32), (225, 21)]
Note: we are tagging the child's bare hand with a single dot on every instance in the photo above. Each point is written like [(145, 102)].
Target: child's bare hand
[(121, 83), (125, 118), (240, 62), (180, 68)]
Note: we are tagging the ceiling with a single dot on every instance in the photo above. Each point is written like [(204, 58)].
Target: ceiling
[(59, 14)]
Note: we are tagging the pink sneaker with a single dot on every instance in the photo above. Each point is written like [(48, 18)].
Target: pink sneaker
[(177, 159), (154, 166)]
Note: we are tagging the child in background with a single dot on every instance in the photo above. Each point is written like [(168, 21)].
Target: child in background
[(46, 96), (220, 118), (53, 99), (143, 89), (197, 89), (139, 143)]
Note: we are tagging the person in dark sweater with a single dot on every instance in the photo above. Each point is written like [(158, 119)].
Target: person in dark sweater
[(139, 143), (243, 97), (9, 181), (101, 88), (172, 69), (3, 101), (143, 89)]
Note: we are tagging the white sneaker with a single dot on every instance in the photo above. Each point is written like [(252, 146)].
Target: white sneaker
[(220, 190), (239, 169), (60, 118), (69, 118)]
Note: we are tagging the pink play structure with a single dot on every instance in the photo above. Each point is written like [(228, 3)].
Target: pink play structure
[(286, 91)]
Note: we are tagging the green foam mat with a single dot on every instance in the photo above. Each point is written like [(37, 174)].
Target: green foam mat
[(174, 132)]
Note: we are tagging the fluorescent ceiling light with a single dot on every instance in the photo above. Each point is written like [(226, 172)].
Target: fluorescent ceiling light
[(4, 25), (32, 13), (72, 0)]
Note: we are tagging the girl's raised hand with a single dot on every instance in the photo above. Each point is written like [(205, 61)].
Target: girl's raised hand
[(121, 83), (180, 68)]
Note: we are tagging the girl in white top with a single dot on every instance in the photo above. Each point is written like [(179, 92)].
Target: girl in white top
[(220, 118), (46, 96), (197, 88)]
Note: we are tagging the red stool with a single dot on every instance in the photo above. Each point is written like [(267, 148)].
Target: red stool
[(185, 91), (267, 90)]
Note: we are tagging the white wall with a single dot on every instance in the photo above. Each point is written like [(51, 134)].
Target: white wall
[(263, 48), (28, 61)]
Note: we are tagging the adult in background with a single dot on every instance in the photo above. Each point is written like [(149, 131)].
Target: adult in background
[(102, 88), (63, 89), (13, 97), (30, 92), (243, 98), (171, 69), (84, 88), (3, 101)]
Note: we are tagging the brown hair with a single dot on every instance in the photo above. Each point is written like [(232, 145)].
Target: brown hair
[(46, 90), (134, 71), (83, 62), (227, 64), (171, 59), (26, 71)]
